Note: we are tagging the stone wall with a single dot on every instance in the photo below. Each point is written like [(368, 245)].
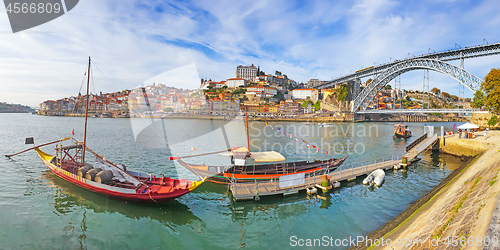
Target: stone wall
[(481, 119), (463, 147)]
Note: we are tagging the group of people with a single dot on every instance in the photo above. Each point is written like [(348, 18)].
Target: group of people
[(473, 131)]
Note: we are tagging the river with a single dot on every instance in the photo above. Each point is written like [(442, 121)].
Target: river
[(40, 210)]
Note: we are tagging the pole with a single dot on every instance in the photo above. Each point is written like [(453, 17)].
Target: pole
[(86, 116), (246, 127), (38, 146)]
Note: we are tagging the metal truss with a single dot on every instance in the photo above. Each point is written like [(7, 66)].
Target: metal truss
[(450, 55), (465, 78), (419, 111)]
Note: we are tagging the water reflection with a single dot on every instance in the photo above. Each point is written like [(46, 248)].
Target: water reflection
[(67, 197)]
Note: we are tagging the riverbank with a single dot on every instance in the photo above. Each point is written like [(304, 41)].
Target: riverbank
[(462, 205)]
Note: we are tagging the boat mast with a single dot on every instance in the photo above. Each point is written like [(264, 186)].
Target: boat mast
[(246, 127), (86, 115)]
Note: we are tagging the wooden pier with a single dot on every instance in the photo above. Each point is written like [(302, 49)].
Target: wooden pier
[(256, 188)]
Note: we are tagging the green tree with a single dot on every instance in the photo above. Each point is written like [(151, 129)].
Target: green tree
[(343, 92), (388, 87), (493, 121), (317, 106), (239, 91), (478, 100), (305, 104), (168, 109), (491, 87), (445, 94)]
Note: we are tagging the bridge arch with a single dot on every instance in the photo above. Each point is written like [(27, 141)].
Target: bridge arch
[(464, 77)]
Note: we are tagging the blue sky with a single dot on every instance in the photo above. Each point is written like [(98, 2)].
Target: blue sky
[(131, 41)]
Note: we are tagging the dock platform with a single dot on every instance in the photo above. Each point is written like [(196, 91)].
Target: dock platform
[(254, 189)]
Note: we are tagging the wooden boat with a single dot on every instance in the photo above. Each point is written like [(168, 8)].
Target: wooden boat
[(248, 166), (401, 131), (106, 178), (124, 184)]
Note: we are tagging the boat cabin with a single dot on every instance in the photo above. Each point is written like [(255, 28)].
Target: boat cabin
[(243, 157)]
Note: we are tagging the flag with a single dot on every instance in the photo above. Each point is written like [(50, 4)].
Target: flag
[(326, 151), (192, 148), (73, 132), (291, 136), (296, 140), (317, 150), (313, 146), (307, 145)]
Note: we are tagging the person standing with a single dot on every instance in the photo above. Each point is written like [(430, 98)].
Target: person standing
[(459, 134)]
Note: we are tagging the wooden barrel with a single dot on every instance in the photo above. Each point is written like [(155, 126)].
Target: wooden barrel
[(82, 171), (92, 173), (104, 177)]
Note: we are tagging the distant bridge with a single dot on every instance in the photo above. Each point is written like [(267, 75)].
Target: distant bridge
[(419, 111), (450, 55), (363, 99)]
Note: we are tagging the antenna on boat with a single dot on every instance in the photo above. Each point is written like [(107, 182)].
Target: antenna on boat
[(86, 115)]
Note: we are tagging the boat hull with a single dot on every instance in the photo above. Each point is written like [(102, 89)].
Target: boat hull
[(399, 136), (222, 175), (116, 192)]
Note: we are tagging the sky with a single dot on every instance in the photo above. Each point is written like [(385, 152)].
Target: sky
[(133, 42)]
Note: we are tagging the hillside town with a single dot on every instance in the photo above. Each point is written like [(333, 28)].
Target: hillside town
[(252, 91)]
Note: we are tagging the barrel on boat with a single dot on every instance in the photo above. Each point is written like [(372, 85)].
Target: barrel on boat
[(92, 173), (82, 171), (104, 177)]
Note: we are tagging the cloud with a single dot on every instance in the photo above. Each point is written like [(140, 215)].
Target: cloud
[(131, 41)]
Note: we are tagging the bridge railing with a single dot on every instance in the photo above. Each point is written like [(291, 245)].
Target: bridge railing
[(416, 142)]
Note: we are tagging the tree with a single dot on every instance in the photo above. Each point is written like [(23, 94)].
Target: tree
[(343, 92), (436, 91), (491, 87), (493, 121), (454, 98), (317, 106), (388, 87), (478, 100), (445, 94), (168, 109)]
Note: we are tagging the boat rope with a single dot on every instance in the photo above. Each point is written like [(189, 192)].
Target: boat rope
[(74, 106), (149, 192)]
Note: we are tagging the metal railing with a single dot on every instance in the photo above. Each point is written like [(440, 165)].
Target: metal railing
[(417, 141), (344, 172)]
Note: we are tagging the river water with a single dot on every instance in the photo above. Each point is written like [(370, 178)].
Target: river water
[(40, 210)]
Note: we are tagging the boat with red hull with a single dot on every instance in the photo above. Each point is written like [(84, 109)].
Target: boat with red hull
[(401, 131), (105, 177), (125, 184)]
